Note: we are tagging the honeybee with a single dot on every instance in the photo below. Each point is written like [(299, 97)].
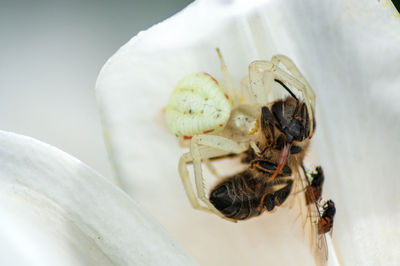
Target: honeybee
[(216, 122), (283, 138)]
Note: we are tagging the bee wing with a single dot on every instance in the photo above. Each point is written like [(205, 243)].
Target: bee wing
[(311, 218)]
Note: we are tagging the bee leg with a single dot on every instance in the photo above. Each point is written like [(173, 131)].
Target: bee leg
[(211, 168), (282, 161), (282, 194), (270, 200), (267, 126)]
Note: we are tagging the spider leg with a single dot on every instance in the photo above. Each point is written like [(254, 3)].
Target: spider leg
[(263, 73), (187, 184), (183, 143), (203, 147), (244, 91), (261, 78), (307, 92), (230, 90), (289, 64), (216, 142), (244, 95), (211, 168), (184, 174)]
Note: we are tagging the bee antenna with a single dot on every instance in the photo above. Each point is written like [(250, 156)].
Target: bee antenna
[(286, 88)]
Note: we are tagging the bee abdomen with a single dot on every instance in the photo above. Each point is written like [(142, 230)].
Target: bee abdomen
[(239, 198), (233, 202)]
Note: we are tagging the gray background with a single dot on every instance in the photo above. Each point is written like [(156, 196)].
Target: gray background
[(50, 55)]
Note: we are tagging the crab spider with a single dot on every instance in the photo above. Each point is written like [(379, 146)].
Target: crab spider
[(218, 122)]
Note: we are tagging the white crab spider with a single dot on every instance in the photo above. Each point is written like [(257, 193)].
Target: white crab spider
[(219, 122)]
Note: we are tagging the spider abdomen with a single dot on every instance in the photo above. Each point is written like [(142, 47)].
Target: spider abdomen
[(198, 105)]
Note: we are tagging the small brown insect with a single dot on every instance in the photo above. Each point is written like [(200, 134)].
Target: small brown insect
[(325, 223), (320, 218), (314, 190), (313, 195)]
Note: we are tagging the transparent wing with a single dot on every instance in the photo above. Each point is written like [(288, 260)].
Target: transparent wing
[(310, 220)]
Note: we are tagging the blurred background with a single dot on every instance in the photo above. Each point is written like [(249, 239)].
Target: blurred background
[(50, 55)]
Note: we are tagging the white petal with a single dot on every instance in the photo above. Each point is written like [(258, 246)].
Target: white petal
[(348, 51), (54, 210)]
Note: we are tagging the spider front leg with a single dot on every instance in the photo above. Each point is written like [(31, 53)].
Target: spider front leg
[(184, 174), (307, 92), (216, 142), (263, 73), (232, 93), (289, 64), (186, 144), (211, 146)]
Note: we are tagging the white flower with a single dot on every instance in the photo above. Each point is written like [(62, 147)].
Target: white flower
[(54, 210), (348, 51)]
